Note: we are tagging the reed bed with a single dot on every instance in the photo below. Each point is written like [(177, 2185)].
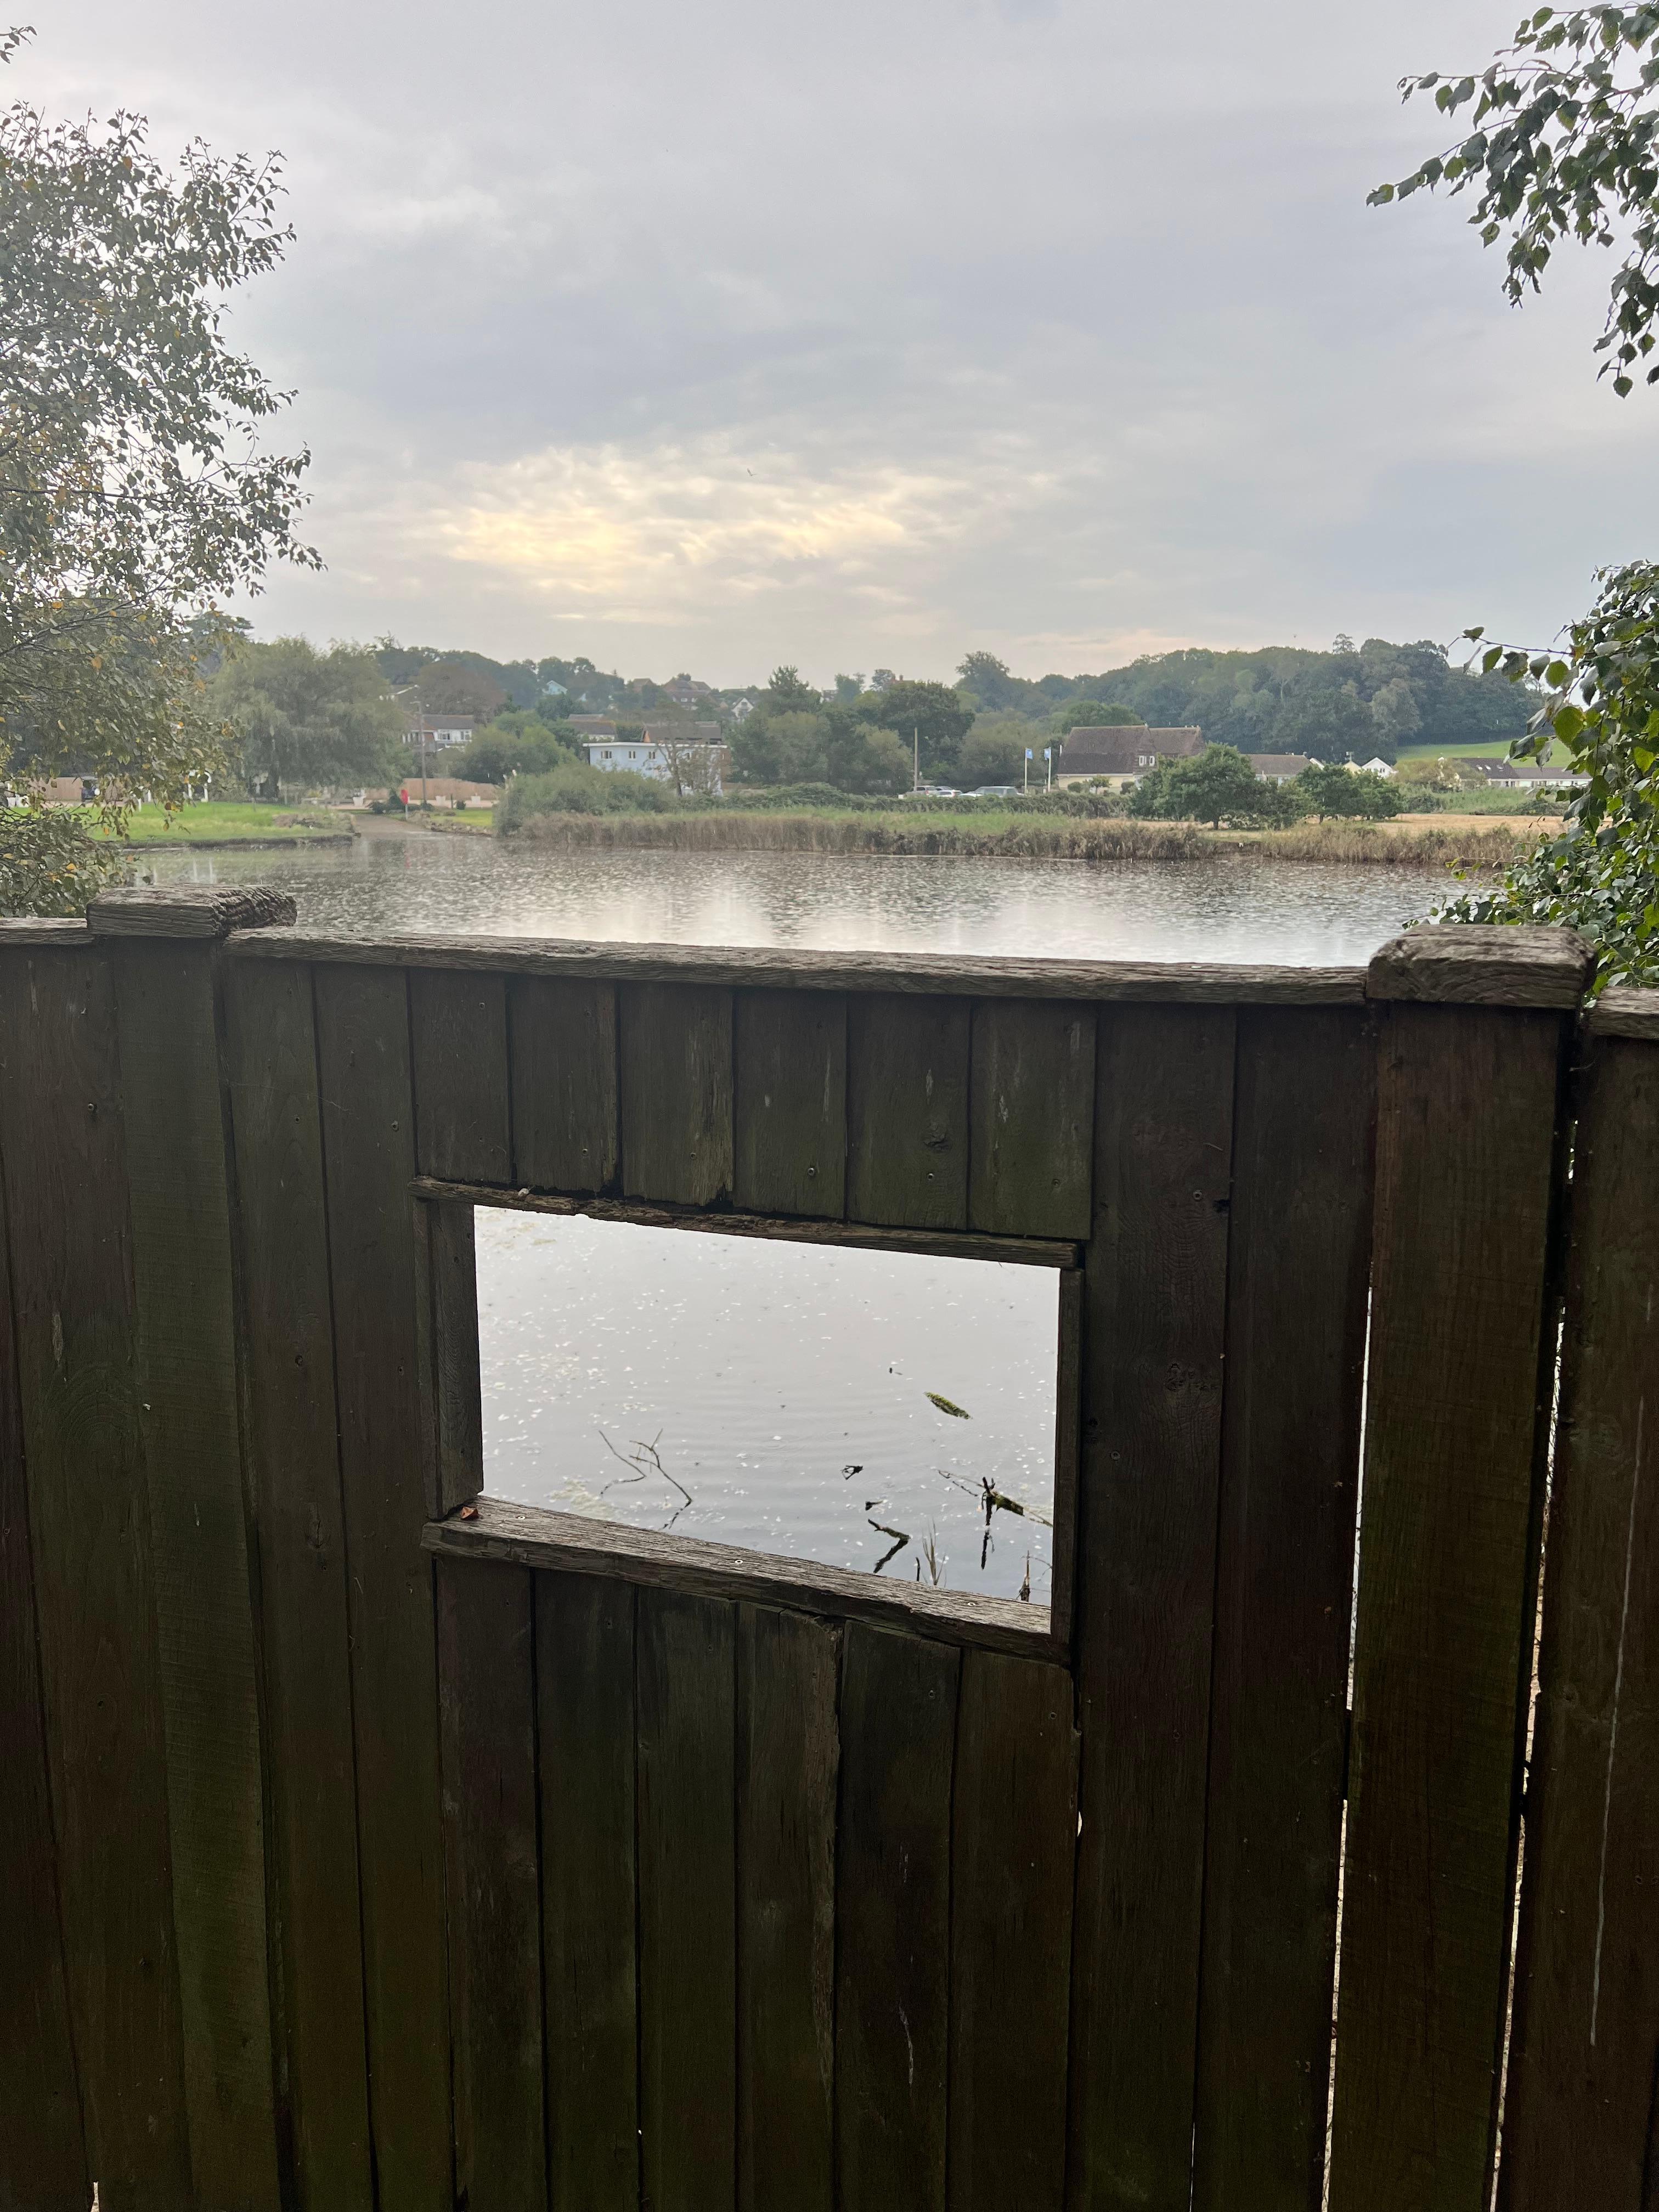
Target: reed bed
[(1453, 844), (1041, 840)]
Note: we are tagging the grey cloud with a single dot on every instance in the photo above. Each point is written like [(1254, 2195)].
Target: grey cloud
[(1060, 328)]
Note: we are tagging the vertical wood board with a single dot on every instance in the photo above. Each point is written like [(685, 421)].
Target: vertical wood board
[(676, 1078), (42, 2153), (1032, 1105), (368, 1148), (687, 1888), (1155, 1294), (293, 1473), (791, 1109), (1300, 1254), (893, 1920), (1466, 1105), (1012, 1860), (585, 1715), (787, 1758), (488, 1692), (907, 1111), (459, 1023), (563, 1048), (184, 1301), (1580, 2119), (66, 1199)]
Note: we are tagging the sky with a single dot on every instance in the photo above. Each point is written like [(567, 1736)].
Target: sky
[(871, 333)]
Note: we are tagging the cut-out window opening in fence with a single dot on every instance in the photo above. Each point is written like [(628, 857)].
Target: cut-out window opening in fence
[(896, 1407)]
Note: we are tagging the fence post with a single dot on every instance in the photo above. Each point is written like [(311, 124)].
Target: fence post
[(163, 949), (1474, 1027), (1579, 2118)]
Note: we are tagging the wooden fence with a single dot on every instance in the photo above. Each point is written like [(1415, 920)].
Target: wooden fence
[(369, 1844)]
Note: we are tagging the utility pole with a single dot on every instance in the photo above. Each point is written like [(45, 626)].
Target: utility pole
[(915, 758), (1049, 766)]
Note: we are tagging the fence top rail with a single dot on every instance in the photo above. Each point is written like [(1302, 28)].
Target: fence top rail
[(1625, 1012), (1435, 964), (956, 974)]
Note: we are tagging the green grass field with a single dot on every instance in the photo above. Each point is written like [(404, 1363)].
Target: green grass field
[(1490, 748), (229, 823)]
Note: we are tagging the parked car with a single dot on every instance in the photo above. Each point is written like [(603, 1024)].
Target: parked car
[(996, 791)]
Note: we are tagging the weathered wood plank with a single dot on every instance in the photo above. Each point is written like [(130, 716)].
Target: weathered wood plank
[(570, 1542), (42, 2152), (462, 1110), (1625, 1012), (1032, 1118), (369, 1149), (676, 1078), (1467, 1109), (487, 1688), (791, 1113), (1154, 982), (907, 1111), (1579, 2122), (687, 1883), (789, 1754), (942, 1244), (65, 1167), (446, 1312), (584, 1708), (293, 1473), (893, 1921), (1155, 1295), (1482, 964), (563, 1045), (1300, 1254), (185, 1302), (1012, 1852)]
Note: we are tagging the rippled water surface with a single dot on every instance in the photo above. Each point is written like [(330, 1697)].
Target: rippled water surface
[(1228, 907), (785, 1387)]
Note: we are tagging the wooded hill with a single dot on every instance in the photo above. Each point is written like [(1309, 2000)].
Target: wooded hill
[(1350, 701)]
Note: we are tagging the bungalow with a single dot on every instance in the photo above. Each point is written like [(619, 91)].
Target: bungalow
[(1121, 754), (1279, 768), (1538, 783), (1375, 766)]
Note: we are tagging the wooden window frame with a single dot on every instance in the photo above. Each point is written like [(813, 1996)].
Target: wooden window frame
[(463, 1520)]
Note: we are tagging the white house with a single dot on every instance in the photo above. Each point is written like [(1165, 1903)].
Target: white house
[(1375, 766), (440, 731), (688, 754)]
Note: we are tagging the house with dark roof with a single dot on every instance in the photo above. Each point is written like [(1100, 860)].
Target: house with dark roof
[(1122, 753), (1279, 768)]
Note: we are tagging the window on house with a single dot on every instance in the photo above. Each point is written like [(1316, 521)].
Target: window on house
[(890, 1413)]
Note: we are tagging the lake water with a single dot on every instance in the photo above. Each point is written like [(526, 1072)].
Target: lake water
[(1230, 908), (781, 1395)]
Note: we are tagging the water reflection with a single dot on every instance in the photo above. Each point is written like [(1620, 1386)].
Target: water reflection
[(1231, 907)]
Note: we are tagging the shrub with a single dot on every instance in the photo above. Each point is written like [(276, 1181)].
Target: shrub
[(573, 787)]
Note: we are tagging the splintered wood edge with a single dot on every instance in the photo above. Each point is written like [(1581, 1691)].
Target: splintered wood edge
[(1625, 1012), (738, 966), (1482, 964), (183, 913), (868, 1236), (531, 1536)]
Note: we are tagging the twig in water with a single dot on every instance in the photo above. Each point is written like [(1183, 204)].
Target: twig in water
[(646, 1459), (1025, 1586), (935, 1564), (900, 1539), (949, 1406)]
